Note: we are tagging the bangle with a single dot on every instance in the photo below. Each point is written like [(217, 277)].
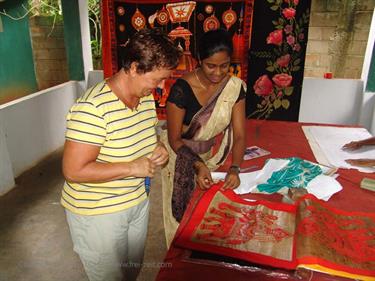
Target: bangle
[(197, 165), (235, 168)]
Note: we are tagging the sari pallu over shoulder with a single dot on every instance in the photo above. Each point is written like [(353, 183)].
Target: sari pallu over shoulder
[(210, 121)]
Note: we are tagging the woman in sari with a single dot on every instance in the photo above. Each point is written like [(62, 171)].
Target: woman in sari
[(201, 106)]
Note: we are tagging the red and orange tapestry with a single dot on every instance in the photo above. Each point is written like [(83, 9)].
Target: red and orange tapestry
[(184, 22), (308, 234)]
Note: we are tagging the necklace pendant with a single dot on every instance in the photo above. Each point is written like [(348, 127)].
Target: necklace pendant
[(200, 82)]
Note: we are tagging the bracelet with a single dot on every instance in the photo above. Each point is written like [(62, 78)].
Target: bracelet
[(235, 168), (196, 165)]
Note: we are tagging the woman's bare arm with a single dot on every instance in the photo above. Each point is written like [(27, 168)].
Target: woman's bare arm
[(175, 117), (232, 179), (80, 165)]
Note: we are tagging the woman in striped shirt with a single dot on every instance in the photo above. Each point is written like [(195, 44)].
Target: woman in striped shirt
[(111, 147)]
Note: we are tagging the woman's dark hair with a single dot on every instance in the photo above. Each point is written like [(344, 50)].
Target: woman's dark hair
[(150, 49), (214, 41)]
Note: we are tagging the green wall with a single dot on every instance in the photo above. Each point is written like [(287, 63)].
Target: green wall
[(370, 87), (17, 74), (72, 38)]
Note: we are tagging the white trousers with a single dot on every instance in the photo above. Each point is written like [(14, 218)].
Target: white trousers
[(111, 246)]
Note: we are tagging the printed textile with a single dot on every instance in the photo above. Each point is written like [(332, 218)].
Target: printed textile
[(298, 173), (307, 234)]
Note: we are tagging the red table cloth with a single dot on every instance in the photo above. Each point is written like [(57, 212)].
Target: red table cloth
[(282, 139)]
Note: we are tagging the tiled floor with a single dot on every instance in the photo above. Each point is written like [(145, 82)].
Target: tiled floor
[(35, 243)]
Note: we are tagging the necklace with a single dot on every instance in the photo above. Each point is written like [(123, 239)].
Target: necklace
[(199, 80)]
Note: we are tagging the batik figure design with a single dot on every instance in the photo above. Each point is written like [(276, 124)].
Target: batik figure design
[(228, 224), (181, 12), (308, 234), (211, 23), (349, 238), (247, 228), (163, 17), (138, 20), (229, 17)]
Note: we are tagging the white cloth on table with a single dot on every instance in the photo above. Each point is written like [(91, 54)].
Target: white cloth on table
[(322, 186), (326, 143)]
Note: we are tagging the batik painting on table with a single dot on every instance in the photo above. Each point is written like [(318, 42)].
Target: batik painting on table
[(184, 22), (307, 234)]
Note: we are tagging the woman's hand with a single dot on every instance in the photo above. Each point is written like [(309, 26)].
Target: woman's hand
[(142, 167), (160, 155), (232, 180), (354, 145), (361, 162), (358, 144), (204, 179)]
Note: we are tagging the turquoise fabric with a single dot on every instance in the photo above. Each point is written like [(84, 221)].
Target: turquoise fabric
[(298, 173)]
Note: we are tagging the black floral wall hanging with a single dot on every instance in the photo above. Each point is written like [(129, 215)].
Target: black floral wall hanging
[(276, 59)]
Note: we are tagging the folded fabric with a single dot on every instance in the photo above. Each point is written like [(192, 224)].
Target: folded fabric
[(308, 175), (323, 187), (245, 178), (297, 173)]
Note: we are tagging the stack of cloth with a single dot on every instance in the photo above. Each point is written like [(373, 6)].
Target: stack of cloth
[(279, 175)]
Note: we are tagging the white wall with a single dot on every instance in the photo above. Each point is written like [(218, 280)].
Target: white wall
[(95, 76), (6, 172), (331, 101), (34, 126), (368, 113)]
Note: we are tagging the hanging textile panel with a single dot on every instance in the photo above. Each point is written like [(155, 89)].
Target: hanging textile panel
[(277, 58), (308, 234), (184, 22)]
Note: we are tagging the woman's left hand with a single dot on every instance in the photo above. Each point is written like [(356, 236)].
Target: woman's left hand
[(160, 155), (232, 180)]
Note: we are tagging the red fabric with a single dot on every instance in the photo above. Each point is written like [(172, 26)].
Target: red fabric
[(345, 232), (282, 139), (109, 47), (286, 139), (111, 42), (247, 31), (350, 235), (108, 39), (225, 228), (201, 211)]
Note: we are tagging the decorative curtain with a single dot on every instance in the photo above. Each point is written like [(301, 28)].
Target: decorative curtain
[(185, 22)]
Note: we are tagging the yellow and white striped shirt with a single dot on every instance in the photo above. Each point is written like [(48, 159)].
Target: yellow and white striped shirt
[(100, 118)]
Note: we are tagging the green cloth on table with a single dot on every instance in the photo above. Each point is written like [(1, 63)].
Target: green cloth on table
[(298, 173)]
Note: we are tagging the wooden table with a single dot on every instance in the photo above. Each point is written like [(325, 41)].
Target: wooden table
[(282, 139)]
